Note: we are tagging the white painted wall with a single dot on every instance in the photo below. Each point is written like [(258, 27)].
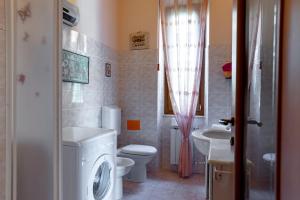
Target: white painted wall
[(99, 20), (111, 21), (138, 15), (220, 16)]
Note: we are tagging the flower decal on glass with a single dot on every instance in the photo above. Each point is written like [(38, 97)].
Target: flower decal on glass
[(22, 79), (25, 12), (26, 37), (37, 94), (44, 40)]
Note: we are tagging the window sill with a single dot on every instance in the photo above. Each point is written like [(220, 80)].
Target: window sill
[(172, 116)]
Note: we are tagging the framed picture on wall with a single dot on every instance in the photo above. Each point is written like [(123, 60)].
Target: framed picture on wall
[(107, 69), (139, 40), (75, 67)]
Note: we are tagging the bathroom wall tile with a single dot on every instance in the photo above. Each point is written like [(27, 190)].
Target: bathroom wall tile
[(138, 97), (219, 92), (219, 84), (85, 117), (82, 102)]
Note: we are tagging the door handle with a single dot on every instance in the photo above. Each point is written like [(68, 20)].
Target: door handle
[(254, 122), (227, 121)]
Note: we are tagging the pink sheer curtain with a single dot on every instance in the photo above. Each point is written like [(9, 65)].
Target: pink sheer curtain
[(183, 29)]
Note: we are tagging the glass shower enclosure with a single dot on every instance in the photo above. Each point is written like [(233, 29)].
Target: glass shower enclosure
[(262, 17)]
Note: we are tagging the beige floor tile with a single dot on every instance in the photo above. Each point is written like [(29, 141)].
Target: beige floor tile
[(166, 185)]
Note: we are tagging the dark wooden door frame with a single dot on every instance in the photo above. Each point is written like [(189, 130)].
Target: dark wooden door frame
[(279, 111), (239, 84), (239, 63)]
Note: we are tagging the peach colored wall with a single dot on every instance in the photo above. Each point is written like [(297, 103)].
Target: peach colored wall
[(98, 20), (111, 21), (290, 98), (147, 10), (220, 27), (138, 15)]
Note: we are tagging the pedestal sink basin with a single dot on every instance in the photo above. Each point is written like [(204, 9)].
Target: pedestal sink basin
[(202, 138), (217, 134)]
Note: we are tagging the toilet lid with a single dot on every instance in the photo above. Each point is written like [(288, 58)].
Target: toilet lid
[(142, 150)]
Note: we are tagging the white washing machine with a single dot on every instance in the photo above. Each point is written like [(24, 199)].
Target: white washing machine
[(89, 166)]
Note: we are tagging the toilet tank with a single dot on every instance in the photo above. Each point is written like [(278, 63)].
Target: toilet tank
[(111, 118)]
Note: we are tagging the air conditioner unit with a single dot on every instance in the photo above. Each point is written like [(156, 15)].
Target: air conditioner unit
[(71, 14)]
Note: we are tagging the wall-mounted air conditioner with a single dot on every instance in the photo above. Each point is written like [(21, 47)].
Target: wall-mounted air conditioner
[(71, 14)]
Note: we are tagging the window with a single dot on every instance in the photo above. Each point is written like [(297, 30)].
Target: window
[(200, 107), (182, 59)]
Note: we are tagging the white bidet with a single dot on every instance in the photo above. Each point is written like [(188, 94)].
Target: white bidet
[(124, 166)]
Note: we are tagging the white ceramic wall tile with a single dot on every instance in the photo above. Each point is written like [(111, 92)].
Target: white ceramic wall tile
[(219, 88), (138, 89), (82, 102)]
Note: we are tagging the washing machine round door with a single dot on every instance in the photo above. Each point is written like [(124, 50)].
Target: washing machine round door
[(101, 180)]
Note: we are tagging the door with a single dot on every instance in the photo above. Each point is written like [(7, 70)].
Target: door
[(33, 82), (260, 112), (238, 81)]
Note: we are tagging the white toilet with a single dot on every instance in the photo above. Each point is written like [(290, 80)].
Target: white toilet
[(124, 165), (141, 154)]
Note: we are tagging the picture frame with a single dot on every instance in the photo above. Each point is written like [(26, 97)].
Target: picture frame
[(75, 67), (139, 40)]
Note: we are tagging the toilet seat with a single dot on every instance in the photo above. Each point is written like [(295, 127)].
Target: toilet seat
[(142, 150), (142, 155)]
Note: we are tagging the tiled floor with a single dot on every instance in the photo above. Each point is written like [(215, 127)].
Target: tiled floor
[(166, 185)]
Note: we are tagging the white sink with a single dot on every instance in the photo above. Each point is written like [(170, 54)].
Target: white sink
[(202, 138), (217, 134)]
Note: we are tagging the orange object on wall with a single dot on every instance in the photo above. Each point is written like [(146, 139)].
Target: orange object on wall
[(133, 125)]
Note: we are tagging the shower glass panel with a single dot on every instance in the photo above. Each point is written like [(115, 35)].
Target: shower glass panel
[(262, 54), (35, 93)]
